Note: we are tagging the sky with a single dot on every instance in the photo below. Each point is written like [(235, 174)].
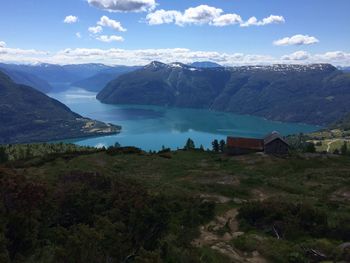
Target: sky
[(136, 32)]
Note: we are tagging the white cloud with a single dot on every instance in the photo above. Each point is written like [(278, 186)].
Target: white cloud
[(163, 17), (205, 14), (124, 5), (227, 19), (144, 56), (70, 19), (202, 14), (272, 19), (334, 56), (78, 35), (107, 22), (2, 44), (296, 40), (299, 55), (95, 29), (109, 39)]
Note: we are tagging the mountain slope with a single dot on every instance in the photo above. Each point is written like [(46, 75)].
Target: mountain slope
[(28, 79), (98, 81), (315, 94), (161, 84), (205, 64), (48, 72), (28, 115)]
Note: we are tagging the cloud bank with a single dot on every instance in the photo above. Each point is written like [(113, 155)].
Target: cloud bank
[(145, 56)]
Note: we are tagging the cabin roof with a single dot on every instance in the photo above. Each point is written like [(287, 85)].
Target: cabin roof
[(273, 136), (245, 143)]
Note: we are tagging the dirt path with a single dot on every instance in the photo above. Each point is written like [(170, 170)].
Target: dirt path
[(218, 233), (330, 143)]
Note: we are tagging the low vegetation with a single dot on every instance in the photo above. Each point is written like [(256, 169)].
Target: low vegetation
[(63, 203)]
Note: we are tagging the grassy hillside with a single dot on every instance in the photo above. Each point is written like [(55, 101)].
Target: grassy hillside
[(28, 115), (125, 205)]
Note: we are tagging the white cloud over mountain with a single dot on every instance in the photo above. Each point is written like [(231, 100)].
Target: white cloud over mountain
[(70, 19), (204, 14), (124, 5), (296, 40), (144, 56)]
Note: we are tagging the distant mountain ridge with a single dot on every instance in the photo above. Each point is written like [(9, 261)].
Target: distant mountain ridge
[(28, 79), (98, 81), (28, 115), (205, 64), (315, 94)]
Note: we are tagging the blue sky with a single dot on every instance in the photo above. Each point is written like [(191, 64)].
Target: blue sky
[(293, 31)]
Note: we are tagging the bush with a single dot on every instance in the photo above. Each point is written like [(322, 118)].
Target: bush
[(3, 155), (284, 220), (123, 150)]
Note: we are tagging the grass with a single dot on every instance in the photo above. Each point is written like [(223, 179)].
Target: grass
[(311, 179)]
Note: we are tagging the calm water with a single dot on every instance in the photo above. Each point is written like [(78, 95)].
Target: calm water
[(151, 127)]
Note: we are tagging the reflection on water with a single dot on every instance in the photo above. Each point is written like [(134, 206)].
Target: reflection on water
[(151, 127)]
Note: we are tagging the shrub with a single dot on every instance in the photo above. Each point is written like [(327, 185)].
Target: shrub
[(283, 219)]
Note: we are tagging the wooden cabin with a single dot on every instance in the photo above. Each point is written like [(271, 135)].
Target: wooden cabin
[(275, 144), (237, 146)]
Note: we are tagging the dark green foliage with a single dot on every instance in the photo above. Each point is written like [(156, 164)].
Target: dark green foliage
[(222, 146), (281, 92), (189, 144), (88, 217), (3, 155), (300, 143), (310, 147), (344, 149), (285, 220), (215, 145), (123, 150), (42, 150)]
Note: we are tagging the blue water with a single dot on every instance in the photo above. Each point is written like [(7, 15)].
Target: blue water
[(151, 127)]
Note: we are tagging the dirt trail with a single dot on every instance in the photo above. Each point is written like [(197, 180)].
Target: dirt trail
[(218, 233)]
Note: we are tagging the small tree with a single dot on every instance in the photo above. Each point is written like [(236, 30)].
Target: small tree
[(222, 146), (344, 148), (310, 147), (215, 145), (3, 155), (201, 148), (189, 144)]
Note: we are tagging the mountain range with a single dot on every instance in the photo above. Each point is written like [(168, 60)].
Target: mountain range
[(28, 115), (98, 81), (315, 94)]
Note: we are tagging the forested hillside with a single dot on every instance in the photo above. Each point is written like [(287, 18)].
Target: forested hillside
[(315, 94)]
